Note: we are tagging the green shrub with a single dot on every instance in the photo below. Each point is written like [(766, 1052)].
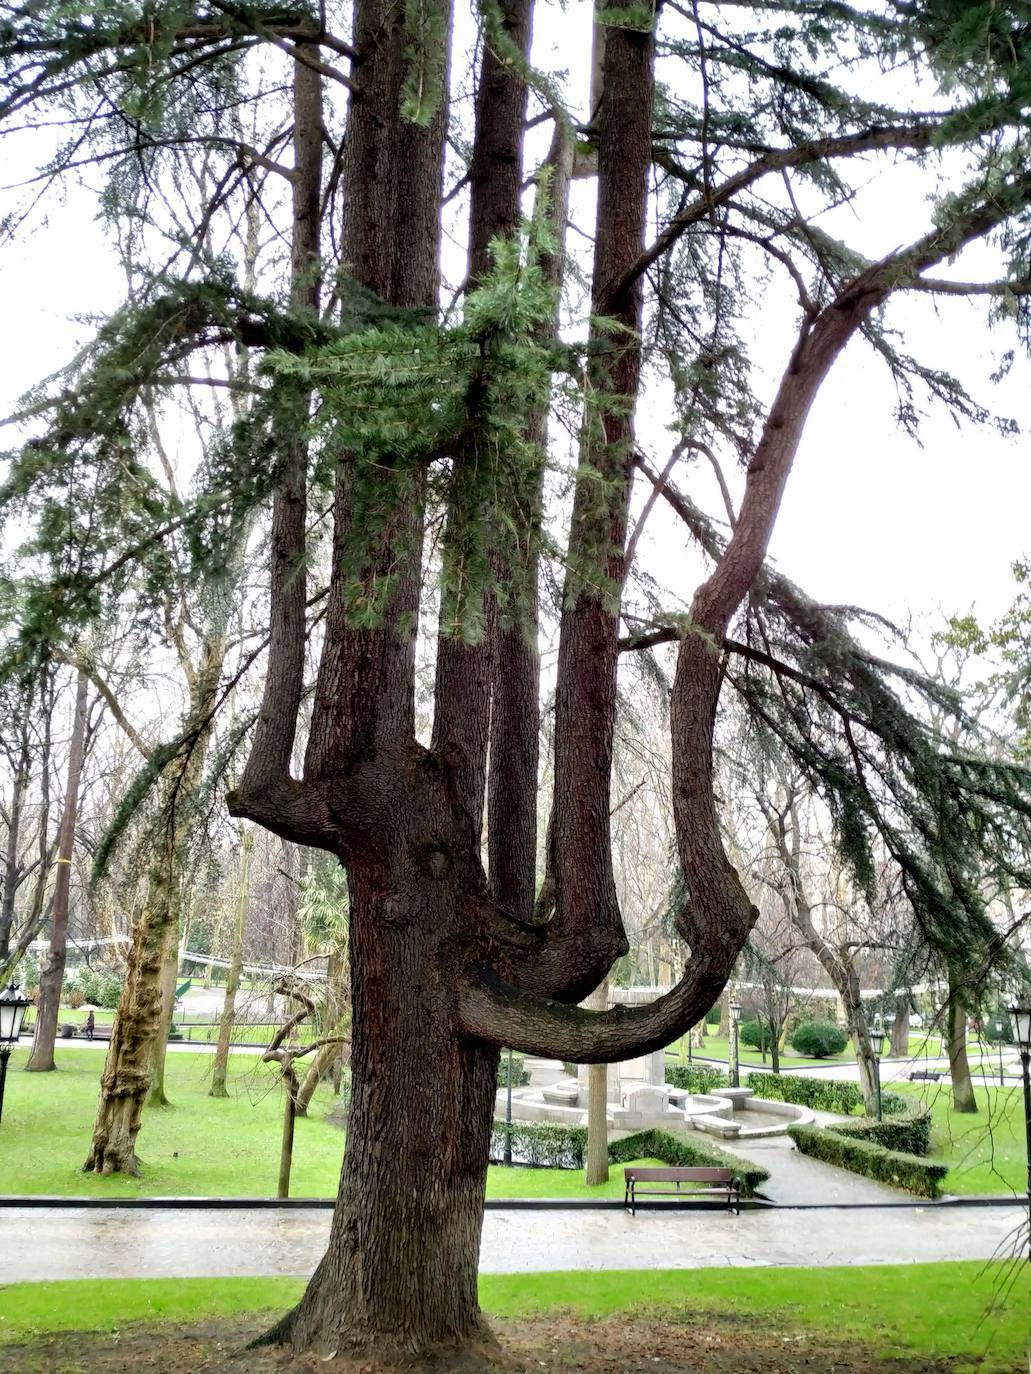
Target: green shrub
[(921, 1176), (819, 1039), (90, 984), (520, 1074), (695, 1078), (909, 1134), (569, 1068), (756, 1034), (892, 1104), (821, 1094), (109, 991), (686, 1153)]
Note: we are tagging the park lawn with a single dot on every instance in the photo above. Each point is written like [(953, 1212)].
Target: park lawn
[(200, 1146), (718, 1047), (985, 1150), (967, 1313)]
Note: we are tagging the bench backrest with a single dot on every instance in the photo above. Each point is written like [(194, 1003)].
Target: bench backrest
[(652, 1175)]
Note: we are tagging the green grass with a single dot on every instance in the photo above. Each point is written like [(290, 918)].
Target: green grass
[(985, 1149), (971, 1312), (200, 1146), (718, 1047)]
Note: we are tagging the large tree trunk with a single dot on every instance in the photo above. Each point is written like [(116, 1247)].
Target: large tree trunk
[(51, 979), (400, 1271), (963, 1099), (225, 1025)]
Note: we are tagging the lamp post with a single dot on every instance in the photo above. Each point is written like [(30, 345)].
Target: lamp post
[(508, 1115), (876, 1036), (12, 1009), (1021, 1017), (735, 1019)]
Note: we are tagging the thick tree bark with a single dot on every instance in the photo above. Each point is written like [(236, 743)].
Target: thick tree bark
[(400, 1269), (963, 1099), (228, 1017), (51, 978)]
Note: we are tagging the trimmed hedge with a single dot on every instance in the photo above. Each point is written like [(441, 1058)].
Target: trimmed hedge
[(819, 1038), (695, 1078), (921, 1176), (545, 1144), (542, 1144), (821, 1094), (909, 1134)]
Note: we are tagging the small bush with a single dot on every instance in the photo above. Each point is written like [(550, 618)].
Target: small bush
[(520, 1074), (819, 1039), (821, 1094), (756, 1034), (109, 991), (921, 1176), (910, 1133), (695, 1078), (569, 1068), (90, 984), (75, 997)]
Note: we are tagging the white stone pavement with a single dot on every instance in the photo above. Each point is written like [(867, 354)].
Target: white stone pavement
[(66, 1243)]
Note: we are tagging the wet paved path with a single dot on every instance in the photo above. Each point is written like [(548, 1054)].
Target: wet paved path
[(68, 1243)]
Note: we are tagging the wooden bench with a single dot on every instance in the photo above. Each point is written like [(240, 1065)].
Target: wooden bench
[(685, 1184), (67, 1031), (927, 1075)]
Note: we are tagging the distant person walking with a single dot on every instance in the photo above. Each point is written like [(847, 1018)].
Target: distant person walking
[(91, 1021)]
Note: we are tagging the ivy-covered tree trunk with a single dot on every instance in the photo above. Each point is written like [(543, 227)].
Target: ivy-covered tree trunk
[(140, 1017), (167, 980), (51, 978), (228, 1017)]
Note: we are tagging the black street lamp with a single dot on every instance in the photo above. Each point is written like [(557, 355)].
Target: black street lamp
[(12, 1009), (1021, 1017), (508, 1115), (877, 1036), (735, 1047)]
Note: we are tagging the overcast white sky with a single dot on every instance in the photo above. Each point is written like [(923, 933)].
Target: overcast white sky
[(869, 516)]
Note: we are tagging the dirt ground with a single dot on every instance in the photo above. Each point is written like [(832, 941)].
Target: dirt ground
[(555, 1345)]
